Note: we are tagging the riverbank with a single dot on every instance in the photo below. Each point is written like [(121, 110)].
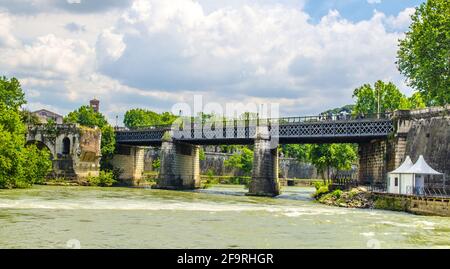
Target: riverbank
[(361, 198), (354, 198)]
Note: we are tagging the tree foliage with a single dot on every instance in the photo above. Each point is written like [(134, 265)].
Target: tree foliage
[(242, 160), (29, 118), (424, 53), (297, 151), (20, 166), (141, 117), (86, 116), (339, 156), (387, 95)]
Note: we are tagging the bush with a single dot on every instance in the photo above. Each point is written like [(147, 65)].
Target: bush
[(38, 164), (210, 179), (156, 164), (104, 179), (321, 189), (337, 194)]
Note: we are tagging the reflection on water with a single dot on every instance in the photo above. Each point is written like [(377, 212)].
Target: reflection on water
[(219, 217)]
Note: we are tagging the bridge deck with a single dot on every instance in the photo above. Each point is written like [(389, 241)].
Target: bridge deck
[(287, 132)]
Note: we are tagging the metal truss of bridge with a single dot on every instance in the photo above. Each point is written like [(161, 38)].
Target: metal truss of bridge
[(293, 130)]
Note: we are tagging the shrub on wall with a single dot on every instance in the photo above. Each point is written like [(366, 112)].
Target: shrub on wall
[(104, 179)]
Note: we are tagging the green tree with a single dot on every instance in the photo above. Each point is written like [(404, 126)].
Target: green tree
[(86, 116), (339, 156), (20, 166), (242, 160), (11, 93), (424, 53), (387, 95), (29, 118), (297, 151), (416, 101), (140, 118), (365, 100)]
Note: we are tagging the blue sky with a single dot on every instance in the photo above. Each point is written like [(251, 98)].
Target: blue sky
[(306, 55), (356, 10)]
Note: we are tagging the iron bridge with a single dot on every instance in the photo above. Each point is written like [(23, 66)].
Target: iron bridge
[(292, 130)]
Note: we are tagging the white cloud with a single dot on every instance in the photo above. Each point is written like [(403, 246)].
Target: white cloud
[(110, 46), (157, 53), (374, 1), (261, 51), (402, 20), (51, 57), (6, 37)]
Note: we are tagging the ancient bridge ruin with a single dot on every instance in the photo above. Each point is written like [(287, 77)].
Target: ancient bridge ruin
[(75, 150)]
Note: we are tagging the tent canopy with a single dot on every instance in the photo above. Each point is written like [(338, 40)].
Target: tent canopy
[(421, 167), (404, 167)]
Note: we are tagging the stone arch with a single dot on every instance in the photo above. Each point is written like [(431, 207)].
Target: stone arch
[(66, 146), (40, 145)]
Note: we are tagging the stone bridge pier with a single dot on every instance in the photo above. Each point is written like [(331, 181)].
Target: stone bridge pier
[(264, 180), (130, 161), (179, 166)]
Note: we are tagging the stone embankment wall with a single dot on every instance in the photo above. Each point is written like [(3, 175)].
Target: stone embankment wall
[(417, 132), (429, 135), (413, 204)]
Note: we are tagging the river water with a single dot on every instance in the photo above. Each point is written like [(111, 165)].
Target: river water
[(219, 217)]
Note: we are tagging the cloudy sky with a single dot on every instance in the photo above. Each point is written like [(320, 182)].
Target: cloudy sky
[(307, 55)]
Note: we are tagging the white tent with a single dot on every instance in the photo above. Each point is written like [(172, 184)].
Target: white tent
[(404, 167), (409, 178), (399, 175), (421, 167)]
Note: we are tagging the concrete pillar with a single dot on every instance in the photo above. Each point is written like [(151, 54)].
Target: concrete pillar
[(130, 160), (180, 166), (264, 180)]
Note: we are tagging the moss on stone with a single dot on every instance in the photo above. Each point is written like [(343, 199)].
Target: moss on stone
[(389, 203), (166, 137)]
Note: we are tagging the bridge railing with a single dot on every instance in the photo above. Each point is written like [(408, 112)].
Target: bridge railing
[(196, 123), (428, 191), (334, 117)]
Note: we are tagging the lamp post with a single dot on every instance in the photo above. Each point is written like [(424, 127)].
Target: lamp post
[(378, 102)]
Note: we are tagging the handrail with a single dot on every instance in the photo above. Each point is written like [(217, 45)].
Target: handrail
[(429, 191), (198, 123)]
